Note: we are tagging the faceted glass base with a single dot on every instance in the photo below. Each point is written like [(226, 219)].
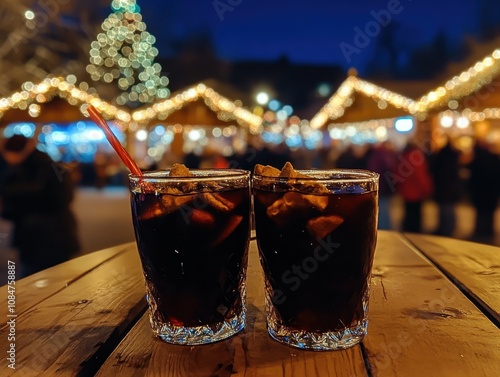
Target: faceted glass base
[(232, 320), (199, 334), (326, 341)]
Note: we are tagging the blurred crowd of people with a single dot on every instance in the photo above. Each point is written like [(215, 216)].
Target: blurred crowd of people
[(414, 173), (36, 192), (446, 176)]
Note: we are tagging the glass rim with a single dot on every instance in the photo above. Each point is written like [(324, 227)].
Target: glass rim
[(328, 175), (207, 174)]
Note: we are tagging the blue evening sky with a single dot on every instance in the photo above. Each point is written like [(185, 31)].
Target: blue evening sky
[(308, 31)]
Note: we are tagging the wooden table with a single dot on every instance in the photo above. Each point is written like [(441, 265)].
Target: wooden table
[(434, 311)]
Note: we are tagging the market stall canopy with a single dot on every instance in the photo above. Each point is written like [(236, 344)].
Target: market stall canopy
[(358, 100), (459, 87), (54, 100), (408, 88), (198, 105), (488, 96), (55, 110)]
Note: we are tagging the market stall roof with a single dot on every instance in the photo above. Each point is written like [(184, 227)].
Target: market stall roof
[(202, 98), (488, 96), (483, 103), (408, 88), (54, 110), (357, 100), (54, 100), (229, 91), (476, 49), (479, 75)]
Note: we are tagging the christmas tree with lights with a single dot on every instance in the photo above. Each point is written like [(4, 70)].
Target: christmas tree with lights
[(124, 53)]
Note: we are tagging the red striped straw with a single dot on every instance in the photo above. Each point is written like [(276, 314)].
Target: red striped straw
[(115, 143)]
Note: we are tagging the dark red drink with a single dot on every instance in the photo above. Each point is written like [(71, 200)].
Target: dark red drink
[(193, 249), (316, 250)]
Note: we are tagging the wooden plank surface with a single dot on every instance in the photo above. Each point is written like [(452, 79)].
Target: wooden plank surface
[(71, 331), (35, 288), (420, 323), (474, 267), (250, 353)]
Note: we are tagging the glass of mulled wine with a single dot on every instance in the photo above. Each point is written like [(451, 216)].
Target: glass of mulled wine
[(192, 234), (316, 235)]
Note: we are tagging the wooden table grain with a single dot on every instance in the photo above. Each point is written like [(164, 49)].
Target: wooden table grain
[(434, 311)]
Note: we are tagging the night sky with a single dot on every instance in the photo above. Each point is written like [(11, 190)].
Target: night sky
[(307, 31)]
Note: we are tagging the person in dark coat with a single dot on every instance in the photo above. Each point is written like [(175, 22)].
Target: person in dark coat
[(445, 169), (484, 191), (36, 195), (351, 158), (383, 160), (192, 160)]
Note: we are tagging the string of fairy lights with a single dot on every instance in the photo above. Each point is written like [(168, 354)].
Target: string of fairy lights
[(459, 86), (342, 99), (446, 96), (225, 109), (32, 96)]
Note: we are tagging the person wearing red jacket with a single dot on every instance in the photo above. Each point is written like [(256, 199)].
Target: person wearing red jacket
[(414, 184)]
